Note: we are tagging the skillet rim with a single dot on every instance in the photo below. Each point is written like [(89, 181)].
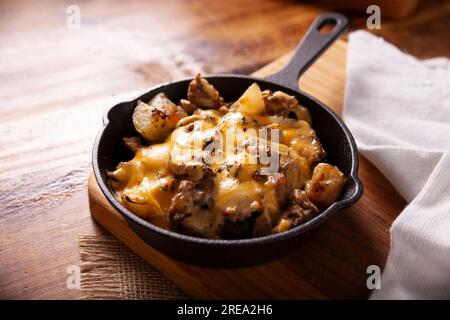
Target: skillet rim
[(292, 233)]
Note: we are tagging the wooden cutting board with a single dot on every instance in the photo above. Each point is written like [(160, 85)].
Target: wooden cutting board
[(332, 264)]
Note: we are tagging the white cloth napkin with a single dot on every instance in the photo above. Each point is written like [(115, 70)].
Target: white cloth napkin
[(398, 109)]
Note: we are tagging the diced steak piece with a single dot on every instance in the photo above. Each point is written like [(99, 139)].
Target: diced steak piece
[(191, 197), (133, 143), (300, 211), (203, 94), (279, 103)]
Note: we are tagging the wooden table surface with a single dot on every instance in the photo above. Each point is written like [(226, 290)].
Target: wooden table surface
[(56, 82)]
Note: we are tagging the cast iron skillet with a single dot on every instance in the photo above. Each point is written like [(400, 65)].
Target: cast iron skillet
[(337, 140)]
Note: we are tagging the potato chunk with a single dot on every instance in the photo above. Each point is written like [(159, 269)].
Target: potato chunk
[(325, 186), (155, 120), (251, 101)]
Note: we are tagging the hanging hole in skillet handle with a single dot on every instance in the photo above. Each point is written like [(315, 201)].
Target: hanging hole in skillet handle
[(316, 40), (327, 26)]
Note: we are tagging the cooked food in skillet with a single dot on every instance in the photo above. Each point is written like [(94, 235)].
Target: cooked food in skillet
[(214, 169)]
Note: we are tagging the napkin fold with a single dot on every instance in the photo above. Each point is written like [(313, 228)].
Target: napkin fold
[(398, 109)]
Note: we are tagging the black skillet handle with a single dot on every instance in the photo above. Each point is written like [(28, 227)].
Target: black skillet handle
[(313, 44)]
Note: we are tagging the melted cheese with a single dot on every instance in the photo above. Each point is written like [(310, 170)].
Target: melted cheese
[(146, 184)]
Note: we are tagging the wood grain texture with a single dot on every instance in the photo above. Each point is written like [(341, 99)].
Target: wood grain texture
[(56, 83), (331, 264)]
